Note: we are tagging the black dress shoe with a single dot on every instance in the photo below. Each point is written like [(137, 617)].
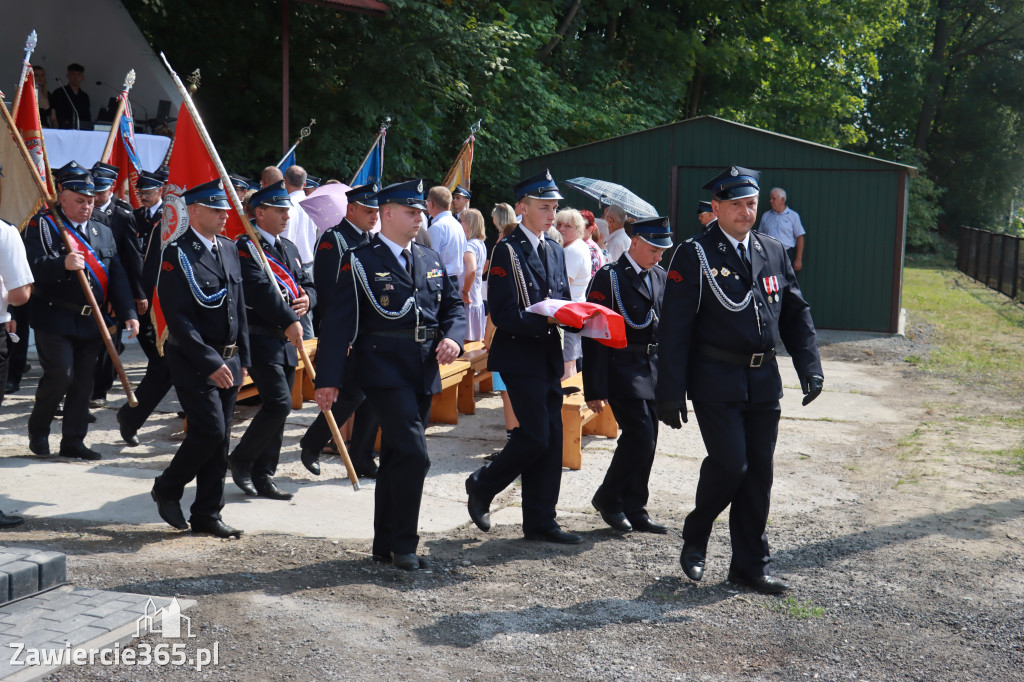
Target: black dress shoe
[(556, 535), (128, 434), (10, 521), (12, 387), (169, 510), (644, 524), (215, 527), (765, 584), (180, 414), (311, 460), (367, 470), (692, 561), (79, 451), (616, 520), (242, 479), (479, 508), (40, 446), (267, 488), (410, 562), (59, 412)]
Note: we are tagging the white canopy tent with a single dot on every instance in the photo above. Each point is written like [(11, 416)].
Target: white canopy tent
[(98, 34)]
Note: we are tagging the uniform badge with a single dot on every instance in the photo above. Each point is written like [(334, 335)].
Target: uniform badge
[(243, 254), (384, 300), (382, 277), (757, 245), (196, 246), (498, 272), (596, 296), (166, 267), (675, 276), (726, 272), (95, 233), (722, 247), (346, 267), (389, 287), (325, 246), (714, 272), (436, 272)]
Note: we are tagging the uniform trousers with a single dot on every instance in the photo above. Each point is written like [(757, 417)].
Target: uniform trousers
[(259, 449), (150, 392), (624, 488), (404, 463), (105, 372), (740, 440), (203, 455), (19, 351), (351, 400), (147, 337), (5, 357), (68, 367), (534, 451)]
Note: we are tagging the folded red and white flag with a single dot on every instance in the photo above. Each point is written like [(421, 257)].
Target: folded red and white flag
[(593, 320)]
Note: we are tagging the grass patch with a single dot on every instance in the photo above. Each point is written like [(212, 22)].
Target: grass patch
[(801, 611)]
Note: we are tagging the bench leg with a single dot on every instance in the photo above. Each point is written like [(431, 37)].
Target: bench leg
[(486, 383), (300, 373), (467, 402), (603, 424), (444, 406), (572, 437)]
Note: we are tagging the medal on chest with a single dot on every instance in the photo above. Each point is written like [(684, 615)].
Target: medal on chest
[(771, 287)]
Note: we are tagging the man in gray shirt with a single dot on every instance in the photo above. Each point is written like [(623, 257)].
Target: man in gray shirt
[(783, 223)]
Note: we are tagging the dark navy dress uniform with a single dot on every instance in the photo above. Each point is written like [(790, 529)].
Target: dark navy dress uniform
[(67, 339), (274, 358), (718, 337), (527, 351), (147, 231), (327, 262), (204, 304), (393, 321), (626, 377)]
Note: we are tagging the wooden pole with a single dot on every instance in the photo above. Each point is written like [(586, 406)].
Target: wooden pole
[(285, 85), (129, 81), (97, 314)]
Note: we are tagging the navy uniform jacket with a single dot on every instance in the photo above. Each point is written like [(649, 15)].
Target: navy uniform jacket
[(198, 329), (144, 227), (118, 217), (55, 287), (622, 373), (524, 343), (267, 313), (694, 316), (348, 313), (331, 247)]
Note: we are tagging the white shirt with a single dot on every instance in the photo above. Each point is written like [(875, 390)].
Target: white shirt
[(301, 229), (448, 239), (534, 239), (206, 242), (785, 226), (396, 249), (151, 211), (647, 281), (14, 268), (617, 244), (577, 266)]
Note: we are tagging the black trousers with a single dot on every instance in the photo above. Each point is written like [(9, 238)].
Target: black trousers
[(150, 392), (203, 455), (624, 488), (534, 451), (404, 464), (147, 337), (740, 439), (5, 358), (259, 449), (105, 372), (351, 400), (19, 351), (69, 364)]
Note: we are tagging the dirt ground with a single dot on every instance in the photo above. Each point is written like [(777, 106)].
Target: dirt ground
[(902, 540)]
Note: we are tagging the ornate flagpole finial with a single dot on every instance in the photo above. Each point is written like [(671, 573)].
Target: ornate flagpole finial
[(129, 80), (193, 82), (305, 132), (31, 42)]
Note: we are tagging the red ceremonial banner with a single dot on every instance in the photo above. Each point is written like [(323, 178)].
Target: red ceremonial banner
[(26, 118)]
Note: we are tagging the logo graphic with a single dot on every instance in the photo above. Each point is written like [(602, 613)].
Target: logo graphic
[(596, 296), (498, 272), (166, 267), (675, 276), (325, 246), (165, 621)]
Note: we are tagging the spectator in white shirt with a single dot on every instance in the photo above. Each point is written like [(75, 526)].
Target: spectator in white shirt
[(618, 239), (571, 226), (446, 234), (301, 230), (783, 223)]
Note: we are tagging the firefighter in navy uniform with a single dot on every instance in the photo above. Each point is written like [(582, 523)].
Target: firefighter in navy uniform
[(352, 231), (626, 378), (273, 306), (67, 339), (526, 268), (207, 353), (730, 294), (396, 317)]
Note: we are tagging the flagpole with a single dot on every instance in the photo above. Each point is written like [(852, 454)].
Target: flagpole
[(90, 298), (383, 129), (303, 134), (30, 47), (230, 191), (129, 81)]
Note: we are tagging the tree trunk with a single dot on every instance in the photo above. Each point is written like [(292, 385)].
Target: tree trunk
[(936, 75), (694, 92), (563, 26)]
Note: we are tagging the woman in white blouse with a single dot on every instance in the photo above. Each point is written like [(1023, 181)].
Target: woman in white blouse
[(570, 225)]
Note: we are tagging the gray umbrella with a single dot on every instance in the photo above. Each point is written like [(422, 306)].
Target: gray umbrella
[(611, 194)]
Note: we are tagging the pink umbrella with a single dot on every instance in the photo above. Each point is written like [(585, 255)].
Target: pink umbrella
[(326, 206)]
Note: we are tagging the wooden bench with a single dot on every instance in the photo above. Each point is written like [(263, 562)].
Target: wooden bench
[(578, 420), (444, 405), (476, 355)]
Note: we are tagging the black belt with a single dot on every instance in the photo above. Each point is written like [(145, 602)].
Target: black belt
[(753, 360), (226, 352), (642, 348), (267, 331), (417, 334), (83, 310)]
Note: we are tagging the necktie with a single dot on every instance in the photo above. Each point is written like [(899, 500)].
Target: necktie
[(645, 278), (83, 230), (542, 253), (214, 249), (277, 245), (407, 254), (743, 256)]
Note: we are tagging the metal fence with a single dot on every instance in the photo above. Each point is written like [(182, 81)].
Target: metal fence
[(993, 259)]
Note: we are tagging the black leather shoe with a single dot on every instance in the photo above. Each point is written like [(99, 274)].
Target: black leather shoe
[(215, 527), (410, 562), (765, 584), (616, 520), (180, 414), (10, 521), (692, 561), (12, 387), (79, 451), (242, 479), (169, 510), (267, 488), (40, 446), (367, 470), (644, 524), (556, 535), (311, 460), (59, 412), (479, 508), (128, 434)]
